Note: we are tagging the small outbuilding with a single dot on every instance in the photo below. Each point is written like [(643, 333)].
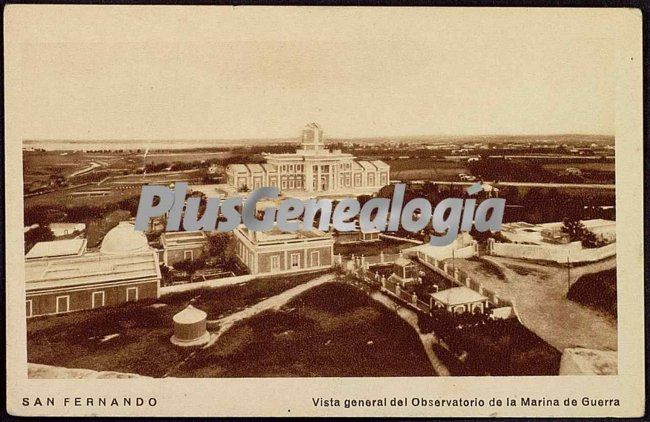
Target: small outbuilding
[(459, 300), (405, 272), (190, 327)]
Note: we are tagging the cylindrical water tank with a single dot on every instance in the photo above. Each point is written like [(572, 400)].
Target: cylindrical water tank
[(190, 327)]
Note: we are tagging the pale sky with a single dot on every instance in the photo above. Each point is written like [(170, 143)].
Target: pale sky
[(223, 73)]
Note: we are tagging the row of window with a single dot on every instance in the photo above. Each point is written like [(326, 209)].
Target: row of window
[(294, 260), (98, 299), (297, 182), (292, 167), (325, 168)]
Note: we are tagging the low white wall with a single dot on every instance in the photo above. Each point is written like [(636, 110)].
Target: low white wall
[(443, 252), (220, 282), (401, 239), (574, 252), (466, 252)]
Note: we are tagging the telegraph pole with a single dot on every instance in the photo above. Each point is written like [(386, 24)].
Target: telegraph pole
[(568, 276), (453, 258)]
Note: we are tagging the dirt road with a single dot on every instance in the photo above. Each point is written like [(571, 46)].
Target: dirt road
[(539, 293)]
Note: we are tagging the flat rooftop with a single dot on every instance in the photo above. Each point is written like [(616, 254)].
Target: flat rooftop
[(458, 296), (277, 235), (90, 268), (56, 248), (182, 238)]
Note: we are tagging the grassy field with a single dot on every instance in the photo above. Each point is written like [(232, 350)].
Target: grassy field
[(333, 330), (142, 343), (426, 169), (62, 198), (485, 268), (588, 166), (83, 167), (183, 157)]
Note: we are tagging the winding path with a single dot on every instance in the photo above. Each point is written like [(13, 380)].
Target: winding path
[(428, 340), (274, 302)]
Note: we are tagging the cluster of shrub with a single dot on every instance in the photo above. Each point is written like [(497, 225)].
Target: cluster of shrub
[(497, 347), (596, 290), (46, 214), (578, 232)]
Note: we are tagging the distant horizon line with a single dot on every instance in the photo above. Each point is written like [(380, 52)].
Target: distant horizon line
[(333, 139)]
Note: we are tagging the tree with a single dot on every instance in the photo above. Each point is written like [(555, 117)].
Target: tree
[(574, 228), (221, 246), (190, 266), (590, 240), (38, 234)]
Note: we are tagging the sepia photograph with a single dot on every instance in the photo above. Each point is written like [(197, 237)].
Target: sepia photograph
[(307, 193)]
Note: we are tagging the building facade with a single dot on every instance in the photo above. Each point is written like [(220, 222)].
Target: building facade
[(278, 252), (183, 246), (72, 279), (312, 168)]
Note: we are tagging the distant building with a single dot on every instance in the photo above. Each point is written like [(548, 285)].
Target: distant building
[(275, 251), (573, 171), (458, 300), (65, 229), (358, 236), (489, 190), (183, 246), (312, 168), (62, 276)]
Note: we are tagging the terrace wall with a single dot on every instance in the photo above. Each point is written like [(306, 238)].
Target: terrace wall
[(573, 252)]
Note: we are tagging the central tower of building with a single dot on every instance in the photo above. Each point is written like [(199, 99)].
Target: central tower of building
[(312, 138)]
